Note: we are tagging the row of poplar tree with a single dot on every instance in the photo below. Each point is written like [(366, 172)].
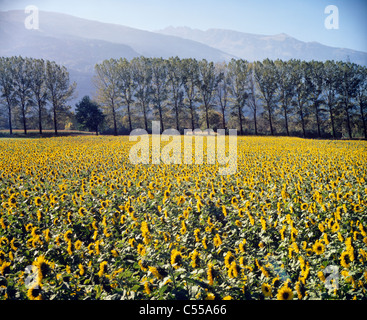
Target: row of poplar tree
[(277, 97), (324, 99), (28, 86)]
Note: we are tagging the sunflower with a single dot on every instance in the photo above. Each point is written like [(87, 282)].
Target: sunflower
[(81, 269), (176, 258), (37, 201), (183, 227), (147, 287), (34, 293), (234, 201), (67, 235), (143, 265), (228, 259), (318, 248), (217, 240), (141, 249), (5, 268), (285, 293), (102, 268), (276, 282), (196, 234), (335, 227), (345, 259), (301, 290), (43, 267), (304, 206), (2, 255), (70, 248), (82, 211), (242, 193), (78, 244), (195, 259), (12, 201), (203, 242), (130, 210), (210, 273), (266, 289), (232, 271), (159, 273)]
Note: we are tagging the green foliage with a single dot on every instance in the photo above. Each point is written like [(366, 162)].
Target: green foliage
[(311, 99), (88, 114)]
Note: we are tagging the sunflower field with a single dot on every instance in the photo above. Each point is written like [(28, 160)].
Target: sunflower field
[(79, 221)]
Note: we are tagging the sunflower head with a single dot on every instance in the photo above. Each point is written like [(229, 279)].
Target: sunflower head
[(276, 282), (301, 290), (285, 293), (318, 248), (5, 268), (67, 235), (228, 259), (266, 289), (43, 266), (345, 259), (176, 258), (37, 201), (304, 206), (34, 293)]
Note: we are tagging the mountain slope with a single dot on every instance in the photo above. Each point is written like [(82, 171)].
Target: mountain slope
[(258, 47), (150, 44), (79, 44)]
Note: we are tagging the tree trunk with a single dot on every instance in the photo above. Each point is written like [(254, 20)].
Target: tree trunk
[(192, 116), (145, 118), (176, 111), (207, 116), (114, 121), (270, 121), (55, 120), (240, 119), (24, 119), (161, 117), (223, 119), (348, 122), (40, 117), (286, 120), (10, 124), (129, 115), (332, 121), (317, 120), (255, 121), (302, 121), (363, 120)]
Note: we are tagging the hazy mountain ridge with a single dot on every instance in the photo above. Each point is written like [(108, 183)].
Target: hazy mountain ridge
[(258, 47)]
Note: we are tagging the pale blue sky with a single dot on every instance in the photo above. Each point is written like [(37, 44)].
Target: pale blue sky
[(302, 19)]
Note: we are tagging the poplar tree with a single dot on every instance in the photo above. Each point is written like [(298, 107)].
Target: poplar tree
[(59, 89), (108, 88), (266, 78), (6, 87)]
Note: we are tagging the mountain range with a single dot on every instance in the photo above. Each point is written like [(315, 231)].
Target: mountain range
[(79, 44), (254, 47)]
